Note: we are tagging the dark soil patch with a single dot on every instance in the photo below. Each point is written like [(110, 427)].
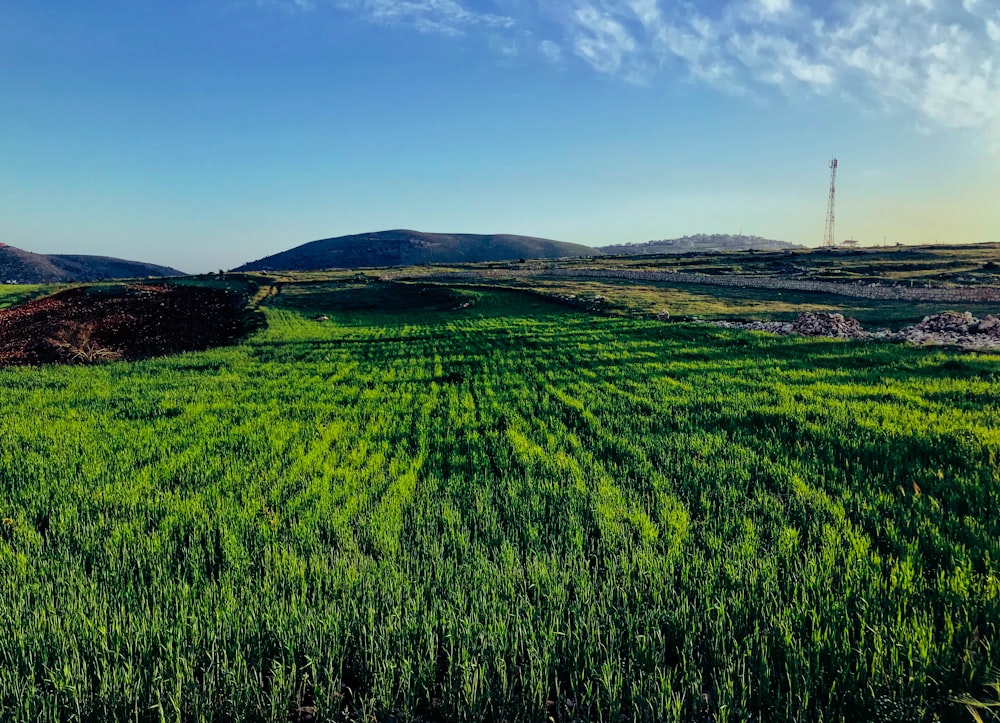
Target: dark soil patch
[(88, 325), (378, 297)]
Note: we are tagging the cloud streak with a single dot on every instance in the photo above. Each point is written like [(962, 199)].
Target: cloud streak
[(937, 58), (444, 17)]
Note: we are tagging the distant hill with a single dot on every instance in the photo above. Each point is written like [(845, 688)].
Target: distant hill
[(702, 242), (23, 267), (402, 247)]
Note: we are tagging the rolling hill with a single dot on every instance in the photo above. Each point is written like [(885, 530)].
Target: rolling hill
[(403, 247), (24, 267), (701, 242)]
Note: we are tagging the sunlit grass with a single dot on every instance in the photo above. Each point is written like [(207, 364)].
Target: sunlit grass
[(487, 506), (13, 294)]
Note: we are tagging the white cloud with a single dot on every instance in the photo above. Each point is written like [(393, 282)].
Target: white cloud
[(993, 30), (505, 47), (551, 51), (601, 40), (931, 57), (777, 60), (445, 17), (288, 5), (775, 7), (938, 58), (648, 13)]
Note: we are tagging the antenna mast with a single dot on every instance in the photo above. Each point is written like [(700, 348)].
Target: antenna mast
[(828, 239)]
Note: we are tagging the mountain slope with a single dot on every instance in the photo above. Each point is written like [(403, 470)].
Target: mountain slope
[(25, 267), (403, 247), (701, 242)]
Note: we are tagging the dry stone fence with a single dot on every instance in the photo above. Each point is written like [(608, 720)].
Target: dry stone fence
[(948, 294), (978, 294)]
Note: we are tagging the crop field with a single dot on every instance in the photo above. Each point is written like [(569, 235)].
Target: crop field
[(13, 294), (474, 504)]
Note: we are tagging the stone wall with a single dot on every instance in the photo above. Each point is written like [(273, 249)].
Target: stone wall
[(953, 294), (978, 294)]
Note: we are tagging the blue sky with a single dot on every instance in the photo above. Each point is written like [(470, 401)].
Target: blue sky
[(205, 133)]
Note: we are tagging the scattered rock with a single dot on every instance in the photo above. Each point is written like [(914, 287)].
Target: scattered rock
[(990, 325), (949, 321), (773, 327), (589, 303), (949, 328)]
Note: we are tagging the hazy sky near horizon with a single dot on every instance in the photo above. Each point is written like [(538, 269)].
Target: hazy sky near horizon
[(204, 133)]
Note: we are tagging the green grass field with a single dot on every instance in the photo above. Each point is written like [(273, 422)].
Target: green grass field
[(14, 294), (474, 504)]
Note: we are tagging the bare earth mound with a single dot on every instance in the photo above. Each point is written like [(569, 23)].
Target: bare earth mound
[(134, 322)]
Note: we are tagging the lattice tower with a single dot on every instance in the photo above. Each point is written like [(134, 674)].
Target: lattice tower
[(828, 239)]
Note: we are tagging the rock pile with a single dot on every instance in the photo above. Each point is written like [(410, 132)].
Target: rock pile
[(954, 328), (810, 323), (823, 324), (948, 322), (990, 325), (949, 327)]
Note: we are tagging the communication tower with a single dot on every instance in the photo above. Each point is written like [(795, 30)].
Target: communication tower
[(828, 241)]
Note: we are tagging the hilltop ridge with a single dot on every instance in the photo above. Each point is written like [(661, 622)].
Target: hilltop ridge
[(25, 267), (701, 242), (405, 247)]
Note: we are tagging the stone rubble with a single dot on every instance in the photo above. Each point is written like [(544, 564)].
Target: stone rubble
[(773, 327), (823, 324), (952, 328), (948, 328)]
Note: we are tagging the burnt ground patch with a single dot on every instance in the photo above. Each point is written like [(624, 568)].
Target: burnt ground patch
[(136, 321)]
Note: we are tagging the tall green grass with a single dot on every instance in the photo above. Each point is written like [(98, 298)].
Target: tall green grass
[(13, 294), (504, 510)]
